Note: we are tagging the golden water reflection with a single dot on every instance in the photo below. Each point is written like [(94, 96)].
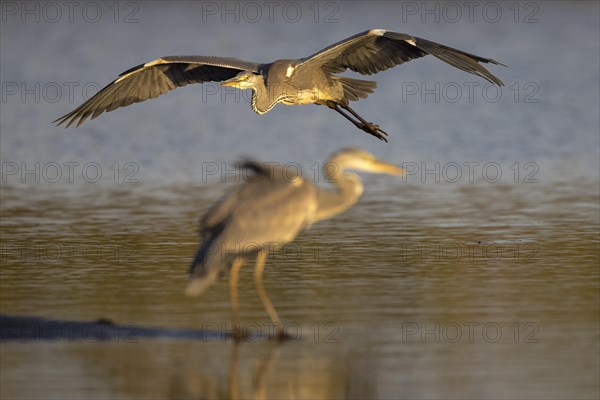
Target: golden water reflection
[(417, 292)]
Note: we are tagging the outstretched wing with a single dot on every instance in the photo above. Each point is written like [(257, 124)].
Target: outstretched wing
[(376, 50), (150, 80)]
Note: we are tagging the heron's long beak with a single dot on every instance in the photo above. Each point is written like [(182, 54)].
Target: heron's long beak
[(233, 82), (383, 167)]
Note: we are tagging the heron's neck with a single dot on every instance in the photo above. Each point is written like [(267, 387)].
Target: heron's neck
[(263, 99), (347, 189)]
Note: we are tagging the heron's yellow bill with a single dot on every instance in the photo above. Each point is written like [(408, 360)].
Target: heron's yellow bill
[(386, 168), (231, 82), (236, 81)]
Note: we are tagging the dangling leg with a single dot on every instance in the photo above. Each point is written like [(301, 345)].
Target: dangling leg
[(368, 127), (234, 275), (361, 124), (258, 278), (349, 118)]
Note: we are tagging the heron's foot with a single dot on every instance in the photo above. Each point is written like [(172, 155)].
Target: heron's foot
[(240, 335), (282, 336), (375, 130)]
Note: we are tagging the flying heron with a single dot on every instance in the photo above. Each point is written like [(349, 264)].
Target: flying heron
[(268, 211), (308, 80)]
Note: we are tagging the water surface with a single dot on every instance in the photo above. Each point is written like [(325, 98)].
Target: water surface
[(482, 285), (448, 292)]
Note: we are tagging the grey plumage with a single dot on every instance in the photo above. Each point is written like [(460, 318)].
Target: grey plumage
[(308, 80), (150, 80), (376, 50), (267, 212)]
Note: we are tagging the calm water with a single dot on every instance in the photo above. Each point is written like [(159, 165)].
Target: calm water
[(451, 283), (453, 291)]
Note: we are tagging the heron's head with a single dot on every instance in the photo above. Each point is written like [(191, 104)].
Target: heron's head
[(361, 160), (243, 80)]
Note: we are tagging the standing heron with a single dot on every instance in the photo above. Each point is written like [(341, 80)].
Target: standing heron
[(269, 211), (308, 80)]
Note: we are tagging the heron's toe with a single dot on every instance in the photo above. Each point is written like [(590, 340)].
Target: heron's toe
[(282, 336), (375, 130), (240, 335), (378, 132)]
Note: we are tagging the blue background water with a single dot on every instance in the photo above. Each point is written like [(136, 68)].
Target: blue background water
[(552, 52), (426, 251)]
